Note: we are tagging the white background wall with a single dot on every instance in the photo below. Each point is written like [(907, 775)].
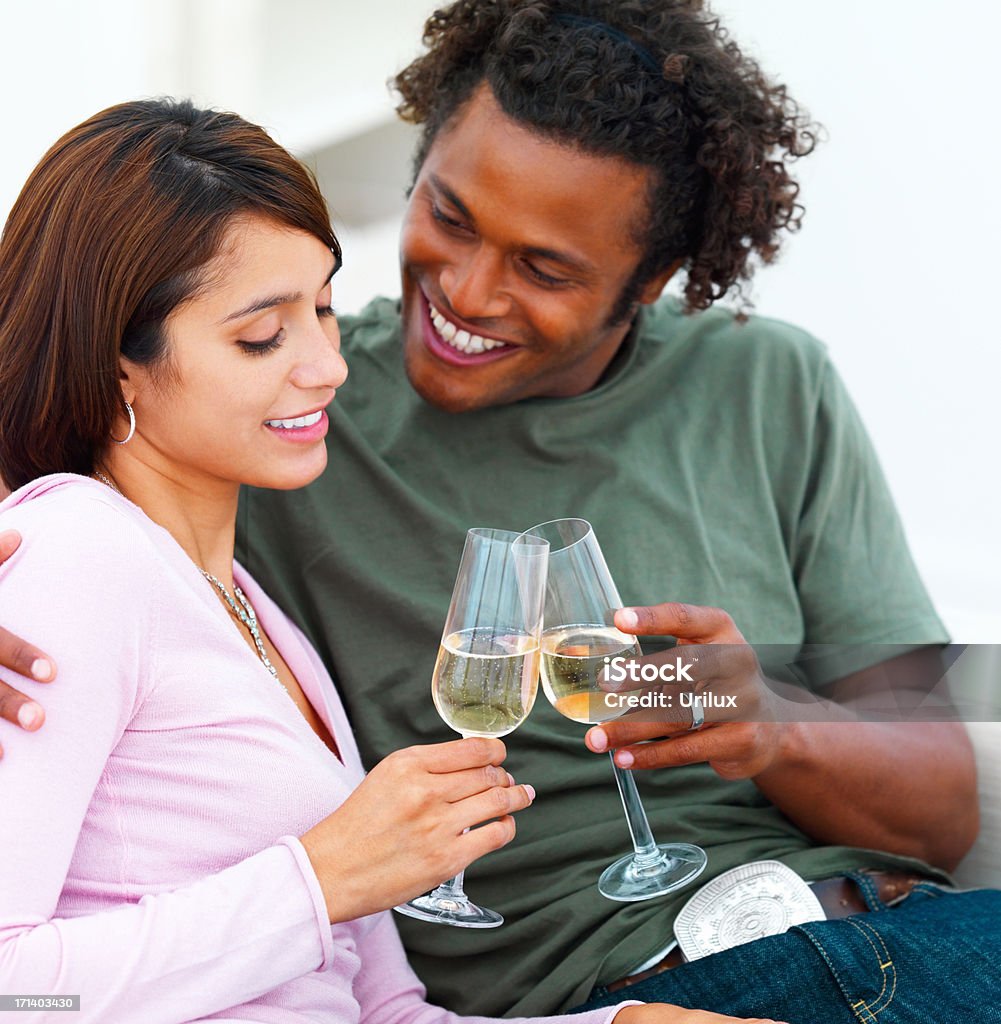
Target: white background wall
[(894, 269)]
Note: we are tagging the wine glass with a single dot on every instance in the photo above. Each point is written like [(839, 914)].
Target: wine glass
[(487, 672), (578, 640)]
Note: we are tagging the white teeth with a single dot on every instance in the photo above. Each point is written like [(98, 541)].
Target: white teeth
[(471, 344), (298, 422)]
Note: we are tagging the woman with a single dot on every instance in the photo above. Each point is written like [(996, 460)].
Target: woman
[(166, 335)]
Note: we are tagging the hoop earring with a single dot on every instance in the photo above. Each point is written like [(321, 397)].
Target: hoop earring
[(132, 426)]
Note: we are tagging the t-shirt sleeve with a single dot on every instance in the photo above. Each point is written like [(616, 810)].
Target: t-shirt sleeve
[(84, 586), (861, 596)]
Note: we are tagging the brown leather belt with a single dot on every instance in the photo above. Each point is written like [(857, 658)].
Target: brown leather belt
[(839, 896)]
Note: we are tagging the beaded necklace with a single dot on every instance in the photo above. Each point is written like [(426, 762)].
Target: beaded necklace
[(245, 613)]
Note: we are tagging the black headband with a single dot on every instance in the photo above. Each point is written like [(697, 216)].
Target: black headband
[(578, 21)]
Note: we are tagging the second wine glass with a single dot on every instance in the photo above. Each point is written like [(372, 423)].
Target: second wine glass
[(578, 640), (487, 672)]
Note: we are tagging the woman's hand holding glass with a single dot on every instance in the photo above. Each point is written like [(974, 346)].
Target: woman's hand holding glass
[(487, 673), (404, 828)]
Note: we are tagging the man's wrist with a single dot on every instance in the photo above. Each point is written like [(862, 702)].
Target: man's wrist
[(792, 751)]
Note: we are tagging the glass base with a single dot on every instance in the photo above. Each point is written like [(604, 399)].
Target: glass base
[(631, 879), (460, 913)]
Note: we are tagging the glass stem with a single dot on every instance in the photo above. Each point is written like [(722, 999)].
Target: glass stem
[(452, 889), (639, 826)]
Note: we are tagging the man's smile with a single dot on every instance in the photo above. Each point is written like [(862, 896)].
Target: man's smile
[(456, 345)]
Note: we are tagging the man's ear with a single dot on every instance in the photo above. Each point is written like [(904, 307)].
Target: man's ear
[(651, 291)]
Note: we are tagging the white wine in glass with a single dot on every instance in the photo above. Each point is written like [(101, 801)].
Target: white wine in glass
[(487, 672), (579, 634), (573, 657), (485, 680)]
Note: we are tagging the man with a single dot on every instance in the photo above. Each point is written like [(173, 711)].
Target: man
[(574, 158)]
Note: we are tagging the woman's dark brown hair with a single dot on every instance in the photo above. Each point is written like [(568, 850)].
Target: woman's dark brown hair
[(655, 82), (108, 237)]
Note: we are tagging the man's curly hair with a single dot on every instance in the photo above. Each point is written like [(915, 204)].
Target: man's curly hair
[(656, 82)]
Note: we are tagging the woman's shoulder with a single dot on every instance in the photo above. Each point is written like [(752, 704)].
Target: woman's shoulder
[(79, 523), (84, 583), (67, 498)]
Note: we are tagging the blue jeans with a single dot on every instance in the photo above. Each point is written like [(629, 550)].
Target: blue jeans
[(933, 958)]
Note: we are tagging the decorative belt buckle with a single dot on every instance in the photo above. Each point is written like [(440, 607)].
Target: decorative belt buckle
[(745, 903)]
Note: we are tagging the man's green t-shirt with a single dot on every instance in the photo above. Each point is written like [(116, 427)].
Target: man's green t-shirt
[(720, 464)]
